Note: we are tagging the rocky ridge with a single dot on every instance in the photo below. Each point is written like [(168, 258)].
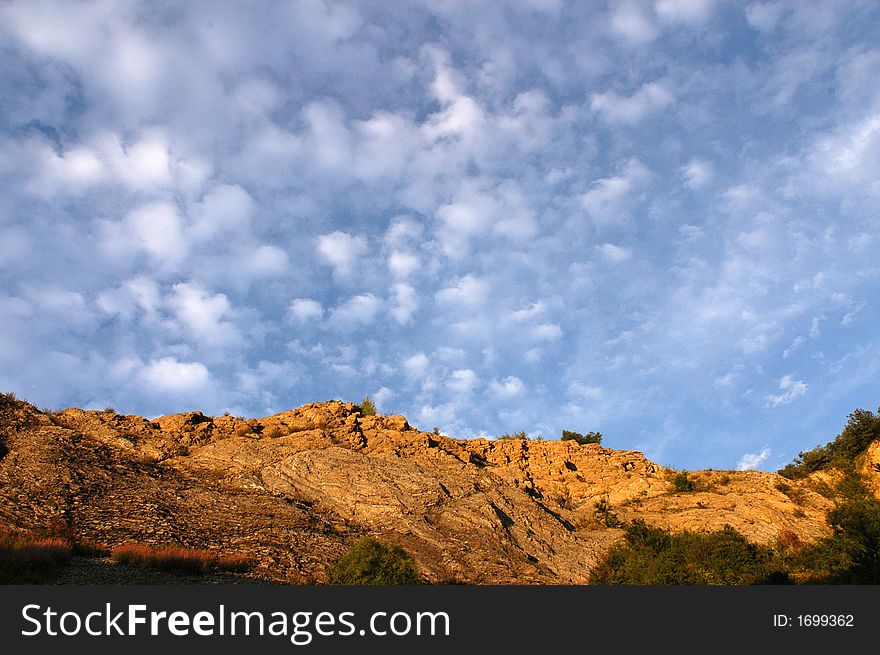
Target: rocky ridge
[(295, 489)]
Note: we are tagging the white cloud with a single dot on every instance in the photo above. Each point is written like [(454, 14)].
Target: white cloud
[(403, 264), (416, 366), (547, 331), (155, 228), (381, 398), (850, 315), (608, 201), (850, 156), (471, 214), (509, 387), (355, 312), (791, 390), (462, 381), (342, 251), (698, 173), (305, 310), (142, 165), (266, 261), (693, 12), (527, 313), (629, 20), (468, 292), (170, 376), (751, 461), (204, 315), (584, 391), (621, 109), (764, 16), (796, 343), (224, 209), (614, 254), (405, 303)]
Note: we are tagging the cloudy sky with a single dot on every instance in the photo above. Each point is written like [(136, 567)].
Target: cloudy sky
[(658, 220)]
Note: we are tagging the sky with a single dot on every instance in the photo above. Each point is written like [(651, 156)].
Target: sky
[(656, 220)]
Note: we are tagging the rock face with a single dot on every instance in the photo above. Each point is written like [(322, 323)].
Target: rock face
[(294, 490)]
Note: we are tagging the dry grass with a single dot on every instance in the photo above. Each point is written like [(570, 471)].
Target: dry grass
[(175, 559), (26, 559)]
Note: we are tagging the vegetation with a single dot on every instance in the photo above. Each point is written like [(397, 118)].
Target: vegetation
[(515, 435), (367, 407), (8, 400), (370, 562), (851, 555), (654, 556), (582, 439), (174, 559), (682, 483), (27, 559), (564, 499), (861, 429), (605, 515)]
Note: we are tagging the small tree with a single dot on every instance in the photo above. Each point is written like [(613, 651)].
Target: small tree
[(681, 482), (516, 435), (367, 406), (582, 439), (370, 562)]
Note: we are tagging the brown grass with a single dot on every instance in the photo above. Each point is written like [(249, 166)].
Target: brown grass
[(179, 560), (26, 558)]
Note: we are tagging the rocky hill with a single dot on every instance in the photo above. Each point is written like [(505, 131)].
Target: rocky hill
[(294, 490)]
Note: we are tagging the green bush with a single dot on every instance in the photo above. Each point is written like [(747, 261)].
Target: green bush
[(682, 483), (515, 435), (367, 407), (654, 556), (851, 555), (582, 439), (370, 562), (861, 429)]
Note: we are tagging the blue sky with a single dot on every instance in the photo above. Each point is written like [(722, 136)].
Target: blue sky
[(658, 220)]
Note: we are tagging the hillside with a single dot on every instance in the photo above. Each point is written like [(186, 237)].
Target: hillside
[(293, 491)]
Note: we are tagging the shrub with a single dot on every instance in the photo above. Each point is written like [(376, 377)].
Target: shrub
[(563, 499), (851, 555), (109, 409), (682, 483), (605, 515), (8, 400), (861, 429), (651, 556), (26, 559), (796, 496), (370, 562), (515, 435), (367, 407), (582, 439)]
